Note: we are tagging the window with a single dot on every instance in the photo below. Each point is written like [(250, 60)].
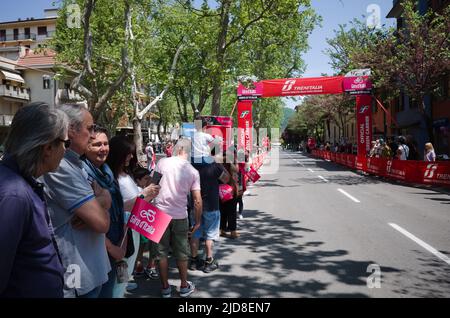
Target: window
[(42, 30), (46, 82), (16, 34), (27, 33), (2, 35)]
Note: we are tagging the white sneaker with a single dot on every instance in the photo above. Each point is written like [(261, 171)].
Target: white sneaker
[(186, 291), (240, 216)]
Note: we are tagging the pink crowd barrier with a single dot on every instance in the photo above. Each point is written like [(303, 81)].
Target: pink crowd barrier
[(431, 173)]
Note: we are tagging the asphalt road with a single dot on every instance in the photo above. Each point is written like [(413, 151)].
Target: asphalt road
[(313, 228)]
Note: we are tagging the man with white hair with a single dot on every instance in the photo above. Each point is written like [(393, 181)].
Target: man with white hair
[(79, 211)]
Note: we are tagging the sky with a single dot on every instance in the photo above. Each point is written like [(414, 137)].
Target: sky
[(333, 12)]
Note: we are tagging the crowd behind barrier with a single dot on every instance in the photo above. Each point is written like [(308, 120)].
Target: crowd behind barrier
[(421, 172)]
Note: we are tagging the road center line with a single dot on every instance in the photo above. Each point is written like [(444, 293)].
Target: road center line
[(349, 196), (323, 178), (426, 246)]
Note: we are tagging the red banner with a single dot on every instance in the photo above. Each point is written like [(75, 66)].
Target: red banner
[(432, 173), (303, 86), (220, 126), (364, 123), (245, 125), (376, 166), (435, 173)]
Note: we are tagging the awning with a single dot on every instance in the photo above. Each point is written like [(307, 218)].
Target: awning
[(12, 76)]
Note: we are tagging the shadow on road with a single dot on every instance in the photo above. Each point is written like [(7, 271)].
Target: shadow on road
[(341, 180), (433, 283), (285, 255)]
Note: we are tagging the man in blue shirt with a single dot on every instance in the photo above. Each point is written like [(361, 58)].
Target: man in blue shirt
[(30, 265), (79, 211)]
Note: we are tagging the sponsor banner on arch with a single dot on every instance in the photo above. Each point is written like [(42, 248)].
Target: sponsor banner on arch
[(302, 86), (357, 85), (245, 125), (364, 123)]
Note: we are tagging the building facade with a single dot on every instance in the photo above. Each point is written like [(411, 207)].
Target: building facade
[(410, 121), (28, 68)]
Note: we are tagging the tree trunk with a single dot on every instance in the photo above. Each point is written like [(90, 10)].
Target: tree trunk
[(159, 131), (221, 47), (138, 141), (329, 128)]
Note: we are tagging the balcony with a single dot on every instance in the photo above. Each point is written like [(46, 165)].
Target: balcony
[(18, 37), (14, 92), (6, 120), (64, 95), (45, 35)]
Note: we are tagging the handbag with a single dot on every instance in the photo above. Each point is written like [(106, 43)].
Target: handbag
[(225, 193), (130, 244)]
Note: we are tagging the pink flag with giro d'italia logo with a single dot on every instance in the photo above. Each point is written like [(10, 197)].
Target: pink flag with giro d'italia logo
[(148, 220)]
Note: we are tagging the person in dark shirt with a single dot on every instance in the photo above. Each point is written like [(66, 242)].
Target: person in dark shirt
[(210, 175), (30, 266)]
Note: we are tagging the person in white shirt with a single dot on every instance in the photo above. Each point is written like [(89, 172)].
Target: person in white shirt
[(122, 161), (202, 144)]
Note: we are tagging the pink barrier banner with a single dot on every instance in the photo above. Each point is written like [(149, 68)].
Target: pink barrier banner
[(148, 220), (377, 166), (435, 173), (432, 173), (361, 163)]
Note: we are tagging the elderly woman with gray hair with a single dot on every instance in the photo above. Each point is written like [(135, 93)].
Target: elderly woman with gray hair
[(30, 265)]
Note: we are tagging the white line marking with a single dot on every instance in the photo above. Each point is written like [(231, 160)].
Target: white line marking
[(311, 170), (426, 246), (323, 178), (349, 196)]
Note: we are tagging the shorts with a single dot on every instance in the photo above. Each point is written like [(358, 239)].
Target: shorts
[(209, 227), (175, 237)]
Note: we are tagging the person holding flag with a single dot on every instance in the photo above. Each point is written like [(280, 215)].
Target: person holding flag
[(179, 179)]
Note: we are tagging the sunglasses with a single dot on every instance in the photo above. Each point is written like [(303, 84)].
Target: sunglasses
[(66, 142)]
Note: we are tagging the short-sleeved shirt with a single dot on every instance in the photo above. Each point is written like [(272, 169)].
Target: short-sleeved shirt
[(29, 263), (66, 190), (209, 177), (128, 188), (178, 180), (200, 144)]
